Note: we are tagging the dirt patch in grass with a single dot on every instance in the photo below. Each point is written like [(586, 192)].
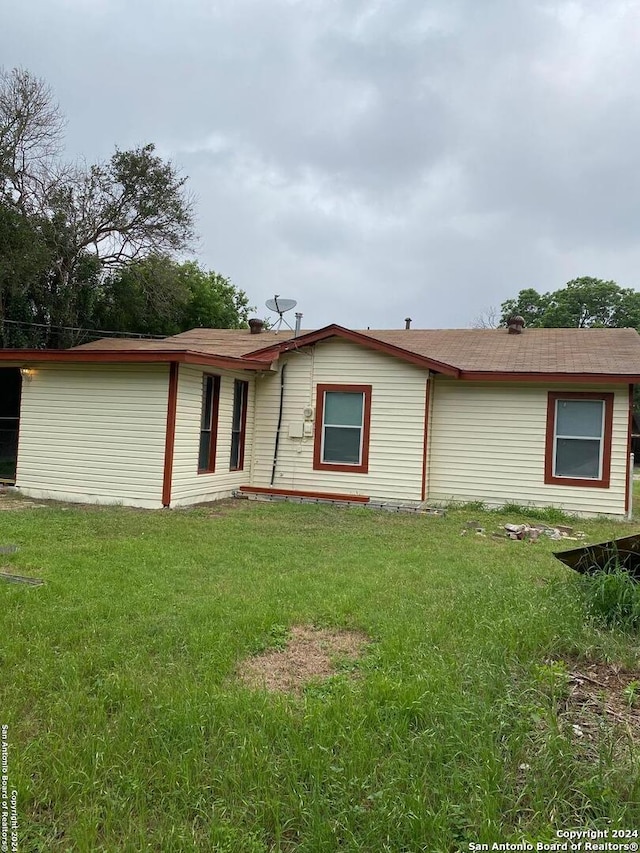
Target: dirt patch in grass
[(213, 509), (310, 654), (9, 501), (601, 693)]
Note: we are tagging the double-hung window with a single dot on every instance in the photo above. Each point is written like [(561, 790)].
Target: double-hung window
[(578, 445), (239, 424), (343, 414), (209, 424)]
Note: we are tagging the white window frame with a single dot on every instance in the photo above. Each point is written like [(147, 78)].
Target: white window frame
[(342, 426)]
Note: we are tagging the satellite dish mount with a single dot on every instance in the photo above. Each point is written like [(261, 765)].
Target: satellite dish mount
[(280, 306)]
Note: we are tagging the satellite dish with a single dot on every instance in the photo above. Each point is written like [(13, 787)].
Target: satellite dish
[(280, 306)]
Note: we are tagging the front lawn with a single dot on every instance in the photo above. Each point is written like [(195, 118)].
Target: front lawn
[(128, 729)]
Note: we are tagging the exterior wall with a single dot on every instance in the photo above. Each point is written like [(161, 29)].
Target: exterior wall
[(188, 486), (94, 434), (487, 443), (397, 422)]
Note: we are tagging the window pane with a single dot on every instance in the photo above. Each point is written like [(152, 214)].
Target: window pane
[(342, 445), (580, 417), (238, 401), (578, 458), (235, 450), (203, 455), (343, 407), (240, 389), (209, 423), (207, 402)]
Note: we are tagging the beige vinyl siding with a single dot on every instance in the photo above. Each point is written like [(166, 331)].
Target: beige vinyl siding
[(487, 443), (188, 486), (397, 422), (94, 433)]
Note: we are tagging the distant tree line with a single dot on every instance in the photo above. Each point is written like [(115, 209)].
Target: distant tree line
[(583, 303), (94, 246)]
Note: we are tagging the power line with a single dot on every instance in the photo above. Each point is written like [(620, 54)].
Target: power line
[(106, 332)]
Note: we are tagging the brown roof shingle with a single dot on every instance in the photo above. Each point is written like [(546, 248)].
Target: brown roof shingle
[(234, 343), (534, 351), (567, 351)]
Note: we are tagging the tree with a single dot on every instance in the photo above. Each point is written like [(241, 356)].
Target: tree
[(157, 295), (31, 127), (489, 319), (214, 302), (584, 302), (88, 219), (24, 260)]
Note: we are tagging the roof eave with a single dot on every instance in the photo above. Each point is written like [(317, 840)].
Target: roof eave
[(547, 376), (21, 357)]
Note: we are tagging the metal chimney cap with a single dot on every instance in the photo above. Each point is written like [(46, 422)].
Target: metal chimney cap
[(407, 322)]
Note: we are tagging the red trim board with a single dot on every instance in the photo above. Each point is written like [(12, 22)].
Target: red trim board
[(170, 436), (303, 493)]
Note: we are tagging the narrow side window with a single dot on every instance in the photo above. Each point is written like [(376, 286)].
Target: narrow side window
[(239, 424), (209, 424)]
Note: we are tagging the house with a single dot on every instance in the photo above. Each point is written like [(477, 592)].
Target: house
[(532, 416)]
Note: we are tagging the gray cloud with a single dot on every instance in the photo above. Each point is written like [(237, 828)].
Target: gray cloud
[(372, 159)]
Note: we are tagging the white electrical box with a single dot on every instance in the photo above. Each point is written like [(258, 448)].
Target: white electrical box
[(307, 413), (308, 429), (296, 429)]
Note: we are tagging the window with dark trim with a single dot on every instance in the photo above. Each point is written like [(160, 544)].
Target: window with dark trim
[(209, 424), (578, 440), (343, 415), (239, 424)]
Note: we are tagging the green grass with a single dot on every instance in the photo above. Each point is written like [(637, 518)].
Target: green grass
[(612, 596), (128, 731)]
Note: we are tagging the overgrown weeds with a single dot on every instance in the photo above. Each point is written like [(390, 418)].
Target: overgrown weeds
[(612, 597), (549, 514)]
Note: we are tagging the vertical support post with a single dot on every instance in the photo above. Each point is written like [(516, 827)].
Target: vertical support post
[(630, 487)]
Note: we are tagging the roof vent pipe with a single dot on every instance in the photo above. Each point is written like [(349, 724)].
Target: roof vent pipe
[(298, 323), (407, 322), (515, 325), (255, 326)]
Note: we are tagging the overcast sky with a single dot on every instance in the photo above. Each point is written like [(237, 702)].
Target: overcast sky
[(373, 160)]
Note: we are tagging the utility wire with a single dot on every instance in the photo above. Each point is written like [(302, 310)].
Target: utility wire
[(80, 329)]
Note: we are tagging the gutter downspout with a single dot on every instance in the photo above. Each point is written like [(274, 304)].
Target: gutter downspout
[(275, 451)]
